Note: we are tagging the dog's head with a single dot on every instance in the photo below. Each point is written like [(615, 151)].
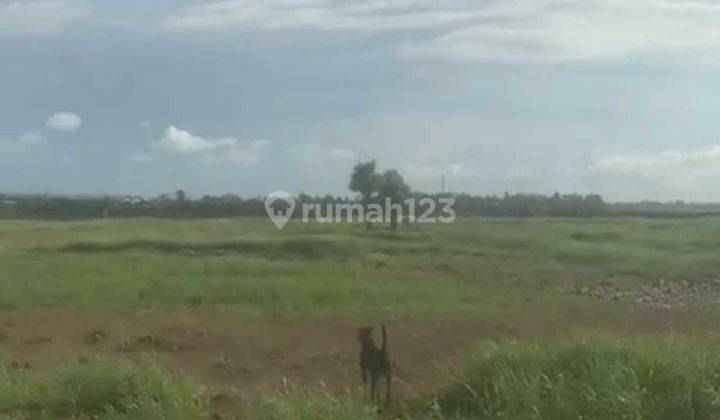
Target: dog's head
[(365, 335)]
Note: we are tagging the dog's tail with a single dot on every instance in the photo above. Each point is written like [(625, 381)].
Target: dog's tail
[(384, 336)]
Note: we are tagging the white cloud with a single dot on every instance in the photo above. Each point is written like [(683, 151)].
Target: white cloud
[(364, 16), (521, 30), (663, 164), (39, 17), (580, 30), (226, 149), (666, 175), (64, 121), (27, 142), (32, 140), (180, 141)]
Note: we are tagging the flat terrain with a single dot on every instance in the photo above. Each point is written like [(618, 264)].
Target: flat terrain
[(243, 308)]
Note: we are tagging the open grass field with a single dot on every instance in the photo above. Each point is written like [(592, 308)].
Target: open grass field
[(146, 318)]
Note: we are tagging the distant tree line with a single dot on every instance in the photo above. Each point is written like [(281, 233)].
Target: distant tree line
[(531, 205), (179, 205), (371, 187)]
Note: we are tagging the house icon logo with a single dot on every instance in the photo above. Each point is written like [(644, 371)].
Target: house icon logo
[(279, 206)]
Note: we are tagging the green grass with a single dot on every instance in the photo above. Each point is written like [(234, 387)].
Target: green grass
[(100, 389), (597, 379), (337, 269), (117, 281)]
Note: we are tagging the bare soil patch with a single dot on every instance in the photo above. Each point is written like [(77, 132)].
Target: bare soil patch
[(236, 355)]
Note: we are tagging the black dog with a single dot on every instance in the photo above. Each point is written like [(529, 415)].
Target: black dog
[(374, 361)]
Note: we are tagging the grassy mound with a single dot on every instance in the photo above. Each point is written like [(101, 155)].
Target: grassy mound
[(99, 389), (598, 379)]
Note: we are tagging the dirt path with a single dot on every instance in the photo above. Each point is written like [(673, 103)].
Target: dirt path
[(236, 354)]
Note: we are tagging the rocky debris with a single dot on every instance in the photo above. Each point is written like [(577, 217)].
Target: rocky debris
[(661, 294)]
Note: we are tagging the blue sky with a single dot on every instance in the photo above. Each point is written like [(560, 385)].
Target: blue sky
[(249, 96)]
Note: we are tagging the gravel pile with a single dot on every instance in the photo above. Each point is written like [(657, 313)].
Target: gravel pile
[(662, 294)]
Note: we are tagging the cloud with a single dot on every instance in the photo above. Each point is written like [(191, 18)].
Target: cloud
[(363, 16), (521, 30), (225, 150), (64, 121), (27, 142), (180, 141), (581, 30), (665, 175), (39, 17), (32, 140), (663, 164)]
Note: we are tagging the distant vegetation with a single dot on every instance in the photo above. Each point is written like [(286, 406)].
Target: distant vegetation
[(369, 185), (180, 206)]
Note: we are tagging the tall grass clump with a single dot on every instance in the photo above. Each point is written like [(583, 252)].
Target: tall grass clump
[(597, 379), (100, 389)]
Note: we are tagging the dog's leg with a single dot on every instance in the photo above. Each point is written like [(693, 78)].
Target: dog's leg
[(388, 380)]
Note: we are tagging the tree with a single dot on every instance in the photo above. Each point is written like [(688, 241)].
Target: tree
[(364, 181), (392, 188)]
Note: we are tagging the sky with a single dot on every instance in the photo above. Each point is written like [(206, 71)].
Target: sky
[(615, 97)]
